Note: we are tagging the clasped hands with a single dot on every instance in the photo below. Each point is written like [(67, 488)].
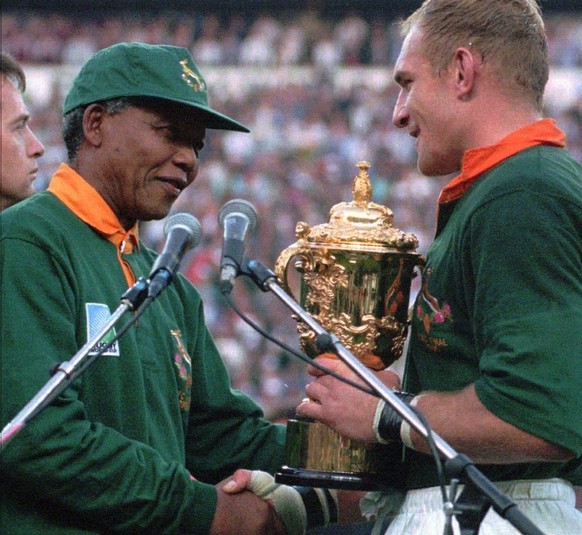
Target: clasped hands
[(342, 407)]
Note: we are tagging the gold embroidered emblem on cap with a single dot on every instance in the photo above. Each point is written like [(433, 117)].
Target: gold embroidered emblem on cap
[(191, 78)]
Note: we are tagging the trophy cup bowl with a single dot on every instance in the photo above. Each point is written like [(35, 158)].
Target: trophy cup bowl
[(355, 276)]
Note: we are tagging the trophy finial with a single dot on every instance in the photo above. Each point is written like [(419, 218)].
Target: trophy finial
[(362, 187)]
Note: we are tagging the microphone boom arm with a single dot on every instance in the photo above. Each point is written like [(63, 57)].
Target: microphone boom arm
[(183, 231), (66, 372), (459, 465)]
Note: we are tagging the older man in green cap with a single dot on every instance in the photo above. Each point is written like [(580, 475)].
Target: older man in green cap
[(141, 441)]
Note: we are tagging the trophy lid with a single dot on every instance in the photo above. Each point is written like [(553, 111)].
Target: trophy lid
[(360, 224)]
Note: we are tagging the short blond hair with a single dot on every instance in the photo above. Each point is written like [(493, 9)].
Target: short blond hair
[(509, 34)]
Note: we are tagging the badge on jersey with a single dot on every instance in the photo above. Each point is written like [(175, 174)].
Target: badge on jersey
[(98, 315), (183, 364)]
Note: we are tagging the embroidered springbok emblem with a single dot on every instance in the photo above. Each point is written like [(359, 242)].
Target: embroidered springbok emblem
[(191, 77)]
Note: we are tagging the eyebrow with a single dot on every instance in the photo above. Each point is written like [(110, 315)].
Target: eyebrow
[(22, 117)]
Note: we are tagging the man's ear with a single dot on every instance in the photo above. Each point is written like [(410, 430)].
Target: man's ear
[(92, 123), (465, 68)]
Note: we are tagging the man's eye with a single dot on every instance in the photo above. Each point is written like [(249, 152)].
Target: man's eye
[(164, 128), (198, 148)]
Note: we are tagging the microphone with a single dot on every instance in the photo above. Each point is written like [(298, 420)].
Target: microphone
[(236, 217), (182, 232)]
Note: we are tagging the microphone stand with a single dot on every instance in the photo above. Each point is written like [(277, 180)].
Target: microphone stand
[(67, 371), (479, 493)]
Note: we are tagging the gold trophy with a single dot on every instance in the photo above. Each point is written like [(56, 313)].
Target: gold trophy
[(355, 277)]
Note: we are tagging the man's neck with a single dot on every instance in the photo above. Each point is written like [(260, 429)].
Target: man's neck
[(493, 118)]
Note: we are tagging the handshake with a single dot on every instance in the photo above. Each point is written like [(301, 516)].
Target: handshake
[(298, 508)]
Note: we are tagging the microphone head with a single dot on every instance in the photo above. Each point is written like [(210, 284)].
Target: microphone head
[(188, 221), (238, 206)]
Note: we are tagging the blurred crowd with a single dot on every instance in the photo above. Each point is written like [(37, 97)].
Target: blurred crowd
[(287, 38), (299, 160)]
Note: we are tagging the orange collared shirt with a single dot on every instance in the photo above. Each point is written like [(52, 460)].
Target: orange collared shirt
[(88, 205), (478, 161)]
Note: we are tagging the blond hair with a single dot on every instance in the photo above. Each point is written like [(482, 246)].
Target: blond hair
[(508, 34)]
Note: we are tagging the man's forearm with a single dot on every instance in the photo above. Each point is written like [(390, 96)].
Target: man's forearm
[(462, 421)]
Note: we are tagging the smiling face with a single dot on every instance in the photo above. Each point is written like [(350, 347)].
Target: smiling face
[(142, 158), (427, 108), (20, 147)]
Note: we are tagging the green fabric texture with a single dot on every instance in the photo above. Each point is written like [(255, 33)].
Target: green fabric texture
[(115, 451), (502, 307), (144, 70)]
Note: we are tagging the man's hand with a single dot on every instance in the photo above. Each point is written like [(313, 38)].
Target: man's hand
[(240, 511), (284, 500), (342, 407), (298, 508)]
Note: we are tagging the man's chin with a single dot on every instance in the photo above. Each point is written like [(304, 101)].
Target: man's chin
[(432, 169)]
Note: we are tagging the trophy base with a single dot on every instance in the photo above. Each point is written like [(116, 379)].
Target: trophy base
[(332, 480), (315, 455)]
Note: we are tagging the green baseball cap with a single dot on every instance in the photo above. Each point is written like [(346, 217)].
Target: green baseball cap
[(144, 70)]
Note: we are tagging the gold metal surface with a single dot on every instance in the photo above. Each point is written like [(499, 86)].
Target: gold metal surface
[(314, 446), (355, 275)]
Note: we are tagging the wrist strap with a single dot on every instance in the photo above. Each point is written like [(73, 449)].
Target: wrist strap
[(405, 428), (377, 415), (389, 421), (321, 506)]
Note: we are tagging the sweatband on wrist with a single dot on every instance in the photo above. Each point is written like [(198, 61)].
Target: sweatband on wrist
[(377, 415), (389, 421)]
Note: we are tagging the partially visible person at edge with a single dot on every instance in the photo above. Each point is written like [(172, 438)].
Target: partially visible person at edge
[(20, 147), (143, 440), (495, 344)]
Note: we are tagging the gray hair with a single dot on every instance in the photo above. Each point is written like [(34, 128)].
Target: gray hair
[(73, 134)]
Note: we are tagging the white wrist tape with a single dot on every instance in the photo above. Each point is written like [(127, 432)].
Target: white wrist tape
[(286, 500), (405, 428)]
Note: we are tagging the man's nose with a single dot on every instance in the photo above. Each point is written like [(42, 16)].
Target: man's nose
[(400, 115), (35, 147), (185, 158)]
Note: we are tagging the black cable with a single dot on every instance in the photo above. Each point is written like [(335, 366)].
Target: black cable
[(429, 436), (305, 358), (438, 461), (295, 353)]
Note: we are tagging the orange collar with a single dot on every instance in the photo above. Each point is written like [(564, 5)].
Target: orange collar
[(88, 205), (478, 161)]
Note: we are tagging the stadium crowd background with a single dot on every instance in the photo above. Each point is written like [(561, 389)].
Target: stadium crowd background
[(316, 92)]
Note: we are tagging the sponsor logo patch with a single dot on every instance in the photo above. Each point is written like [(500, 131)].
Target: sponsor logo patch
[(97, 316)]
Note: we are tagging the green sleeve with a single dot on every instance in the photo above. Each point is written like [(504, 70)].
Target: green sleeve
[(227, 429), (62, 462), (525, 252)]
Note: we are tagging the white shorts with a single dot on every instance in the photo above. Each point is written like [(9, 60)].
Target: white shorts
[(548, 503)]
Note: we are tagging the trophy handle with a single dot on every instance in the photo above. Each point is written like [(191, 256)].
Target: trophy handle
[(282, 263)]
